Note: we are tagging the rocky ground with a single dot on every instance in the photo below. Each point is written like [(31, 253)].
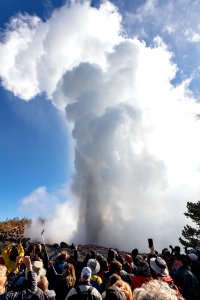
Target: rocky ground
[(13, 233), (13, 228)]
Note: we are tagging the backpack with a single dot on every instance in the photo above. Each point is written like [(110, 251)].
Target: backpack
[(85, 295), (114, 293)]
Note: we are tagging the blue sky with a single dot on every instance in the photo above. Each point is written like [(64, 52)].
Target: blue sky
[(99, 108), (33, 134)]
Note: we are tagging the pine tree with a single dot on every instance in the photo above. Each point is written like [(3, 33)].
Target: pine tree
[(191, 234)]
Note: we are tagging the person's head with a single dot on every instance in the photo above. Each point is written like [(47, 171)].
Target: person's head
[(112, 279), (94, 265), (87, 256), (61, 261), (38, 249), (30, 250), (193, 257), (137, 259), (155, 290), (14, 253), (121, 259), (112, 254), (124, 287), (177, 262), (127, 267), (159, 266), (166, 253), (93, 253), (86, 274), (3, 276), (177, 250), (134, 253), (103, 263), (128, 258), (62, 257), (115, 267), (144, 268), (43, 283)]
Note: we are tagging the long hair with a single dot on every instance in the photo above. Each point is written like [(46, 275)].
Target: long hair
[(69, 274), (125, 287)]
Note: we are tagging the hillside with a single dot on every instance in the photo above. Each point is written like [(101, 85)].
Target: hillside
[(13, 228)]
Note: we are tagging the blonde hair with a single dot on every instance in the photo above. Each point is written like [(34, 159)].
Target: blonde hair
[(124, 287), (155, 289), (3, 277), (69, 274)]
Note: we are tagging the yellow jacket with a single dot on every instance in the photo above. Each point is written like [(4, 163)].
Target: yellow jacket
[(8, 262)]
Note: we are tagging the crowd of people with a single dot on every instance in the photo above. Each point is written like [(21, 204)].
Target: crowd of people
[(27, 271)]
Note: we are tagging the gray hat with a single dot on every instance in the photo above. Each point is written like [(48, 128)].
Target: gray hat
[(94, 265)]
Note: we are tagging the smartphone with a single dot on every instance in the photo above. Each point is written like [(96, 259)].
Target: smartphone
[(150, 242)]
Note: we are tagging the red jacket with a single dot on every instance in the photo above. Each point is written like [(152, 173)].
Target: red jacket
[(137, 281)]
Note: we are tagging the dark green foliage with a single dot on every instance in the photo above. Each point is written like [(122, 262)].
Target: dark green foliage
[(191, 234)]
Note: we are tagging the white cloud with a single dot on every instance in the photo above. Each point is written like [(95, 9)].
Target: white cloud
[(41, 202), (33, 50), (193, 36), (136, 135), (16, 48)]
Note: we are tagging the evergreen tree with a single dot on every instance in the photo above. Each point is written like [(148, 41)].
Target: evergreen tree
[(191, 234)]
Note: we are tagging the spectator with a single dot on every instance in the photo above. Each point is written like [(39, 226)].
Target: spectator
[(195, 266), (185, 279), (96, 280), (143, 275), (129, 265), (63, 283), (124, 287), (115, 268), (85, 286), (158, 267), (103, 266), (9, 253), (159, 270), (112, 254), (134, 253), (155, 290), (43, 285), (61, 262), (114, 293), (42, 282), (112, 279), (5, 289)]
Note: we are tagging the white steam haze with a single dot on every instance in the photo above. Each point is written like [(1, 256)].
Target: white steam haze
[(135, 135)]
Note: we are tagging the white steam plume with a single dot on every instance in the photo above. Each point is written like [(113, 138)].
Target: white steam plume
[(136, 135)]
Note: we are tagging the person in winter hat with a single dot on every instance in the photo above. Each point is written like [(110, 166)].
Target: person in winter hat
[(96, 280), (85, 286)]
